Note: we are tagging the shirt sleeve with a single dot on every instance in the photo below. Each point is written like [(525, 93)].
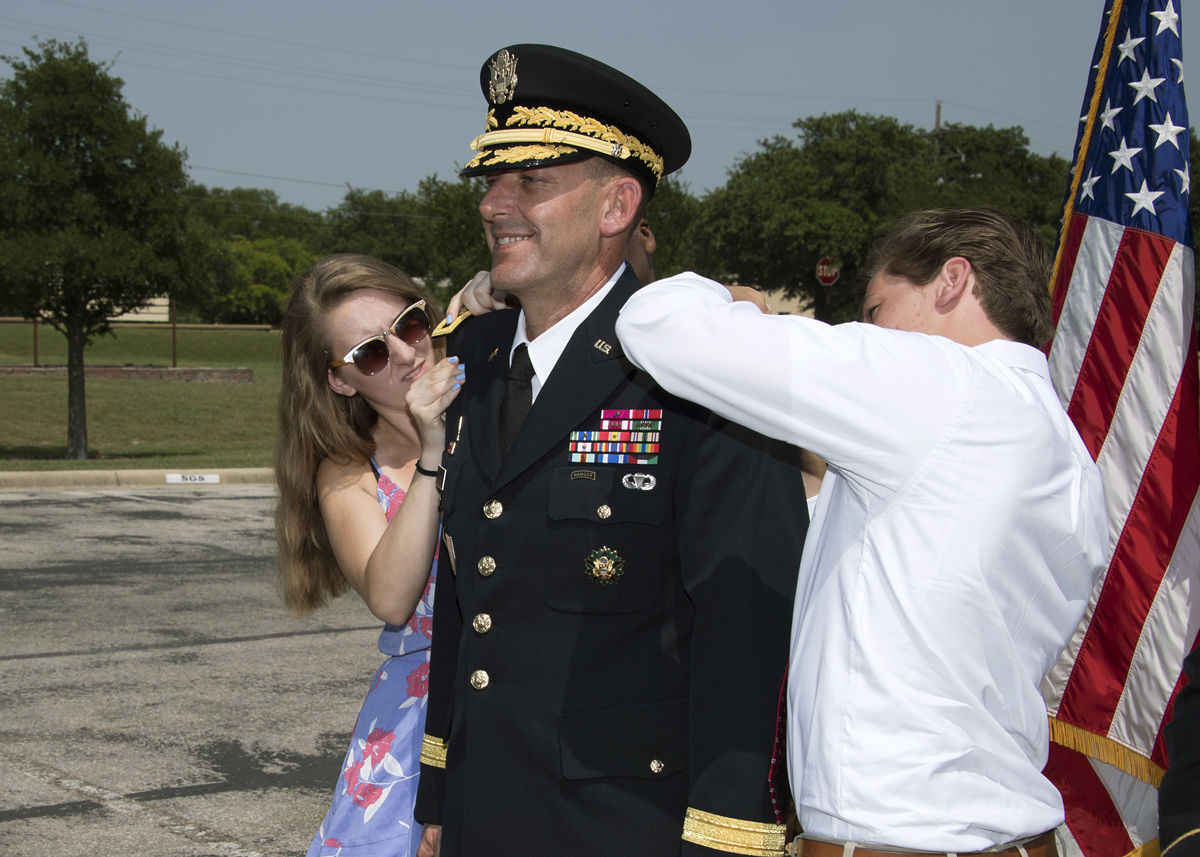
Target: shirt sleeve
[(870, 401)]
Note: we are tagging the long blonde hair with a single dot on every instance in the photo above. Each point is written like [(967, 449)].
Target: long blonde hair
[(316, 423)]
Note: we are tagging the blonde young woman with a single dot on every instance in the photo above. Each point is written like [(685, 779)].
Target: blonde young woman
[(360, 439)]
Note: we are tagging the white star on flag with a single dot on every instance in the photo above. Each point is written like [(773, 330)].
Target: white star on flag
[(1167, 19), (1146, 86), (1144, 199), (1126, 47), (1185, 179), (1123, 157), (1167, 132), (1179, 68), (1109, 114), (1088, 184)]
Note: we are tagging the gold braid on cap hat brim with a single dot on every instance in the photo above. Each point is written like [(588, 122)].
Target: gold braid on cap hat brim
[(563, 129)]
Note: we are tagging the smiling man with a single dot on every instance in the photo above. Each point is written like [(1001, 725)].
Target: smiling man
[(609, 653), (958, 533)]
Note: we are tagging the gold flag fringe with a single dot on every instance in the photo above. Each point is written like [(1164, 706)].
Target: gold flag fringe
[(1107, 751)]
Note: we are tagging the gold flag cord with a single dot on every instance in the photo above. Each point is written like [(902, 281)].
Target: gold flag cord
[(1110, 36)]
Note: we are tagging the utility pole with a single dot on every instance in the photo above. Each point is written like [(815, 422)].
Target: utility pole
[(937, 131)]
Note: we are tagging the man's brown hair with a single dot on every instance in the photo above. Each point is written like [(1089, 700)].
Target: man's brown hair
[(1011, 265)]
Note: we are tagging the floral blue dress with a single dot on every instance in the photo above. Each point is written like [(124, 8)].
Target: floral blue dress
[(372, 811)]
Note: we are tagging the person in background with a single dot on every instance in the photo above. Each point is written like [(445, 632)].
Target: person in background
[(1179, 795), (608, 658), (958, 533), (361, 433)]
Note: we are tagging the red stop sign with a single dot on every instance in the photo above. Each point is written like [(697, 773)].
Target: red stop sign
[(827, 271)]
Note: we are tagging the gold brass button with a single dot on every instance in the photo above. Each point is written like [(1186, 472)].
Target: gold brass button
[(482, 623), (493, 509), (486, 566), (605, 512), (479, 679), (656, 766)]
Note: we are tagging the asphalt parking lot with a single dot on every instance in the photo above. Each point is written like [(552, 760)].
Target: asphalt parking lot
[(155, 698)]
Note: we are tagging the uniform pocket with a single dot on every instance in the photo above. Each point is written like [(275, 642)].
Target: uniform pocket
[(619, 553), (608, 496), (645, 741)]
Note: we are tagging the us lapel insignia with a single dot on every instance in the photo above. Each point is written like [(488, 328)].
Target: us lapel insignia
[(624, 437), (602, 346), (604, 564)]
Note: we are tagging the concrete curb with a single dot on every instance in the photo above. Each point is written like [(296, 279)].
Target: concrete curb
[(35, 480)]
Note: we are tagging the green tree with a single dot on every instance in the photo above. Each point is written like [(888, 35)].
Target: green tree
[(264, 271), (433, 234), (675, 216), (787, 205), (451, 246), (379, 224), (212, 272), (92, 220), (994, 167), (256, 213)]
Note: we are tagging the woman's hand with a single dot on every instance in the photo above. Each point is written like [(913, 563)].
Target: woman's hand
[(428, 398), (478, 297)]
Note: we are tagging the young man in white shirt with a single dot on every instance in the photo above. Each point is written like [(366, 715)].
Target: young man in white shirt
[(958, 533)]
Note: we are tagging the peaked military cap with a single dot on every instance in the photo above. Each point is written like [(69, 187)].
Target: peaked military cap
[(548, 106)]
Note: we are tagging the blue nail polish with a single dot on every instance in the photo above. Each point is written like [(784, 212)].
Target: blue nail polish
[(453, 359), (456, 386), (462, 376)]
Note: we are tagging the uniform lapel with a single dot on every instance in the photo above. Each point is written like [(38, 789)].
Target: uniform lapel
[(485, 389), (590, 368)]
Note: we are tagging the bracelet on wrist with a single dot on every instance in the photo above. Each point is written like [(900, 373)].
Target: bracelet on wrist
[(424, 471)]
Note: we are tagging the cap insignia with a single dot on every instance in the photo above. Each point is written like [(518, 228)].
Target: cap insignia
[(503, 83)]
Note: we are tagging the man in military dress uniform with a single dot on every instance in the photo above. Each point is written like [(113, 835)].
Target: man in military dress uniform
[(609, 651)]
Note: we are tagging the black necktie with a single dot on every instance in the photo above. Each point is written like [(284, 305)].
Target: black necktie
[(518, 397)]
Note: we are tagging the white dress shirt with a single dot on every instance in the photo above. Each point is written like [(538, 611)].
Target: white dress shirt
[(549, 346), (957, 536)]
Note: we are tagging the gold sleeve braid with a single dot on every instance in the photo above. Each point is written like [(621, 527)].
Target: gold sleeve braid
[(433, 752), (735, 835), (1192, 836)]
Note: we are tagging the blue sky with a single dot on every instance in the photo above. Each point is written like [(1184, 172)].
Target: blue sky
[(307, 98)]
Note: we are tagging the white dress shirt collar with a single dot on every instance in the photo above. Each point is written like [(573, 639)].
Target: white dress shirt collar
[(549, 346)]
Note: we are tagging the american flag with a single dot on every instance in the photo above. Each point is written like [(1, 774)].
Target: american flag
[(1123, 361)]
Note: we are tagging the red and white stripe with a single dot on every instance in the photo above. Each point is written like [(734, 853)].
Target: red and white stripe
[(1124, 363)]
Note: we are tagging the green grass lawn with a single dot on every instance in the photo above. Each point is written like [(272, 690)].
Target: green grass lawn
[(142, 424)]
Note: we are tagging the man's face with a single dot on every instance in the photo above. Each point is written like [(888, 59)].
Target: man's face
[(542, 226), (895, 302)]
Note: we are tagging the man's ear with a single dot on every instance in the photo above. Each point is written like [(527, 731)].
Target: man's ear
[(956, 279), (646, 234), (623, 198), (339, 386)]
